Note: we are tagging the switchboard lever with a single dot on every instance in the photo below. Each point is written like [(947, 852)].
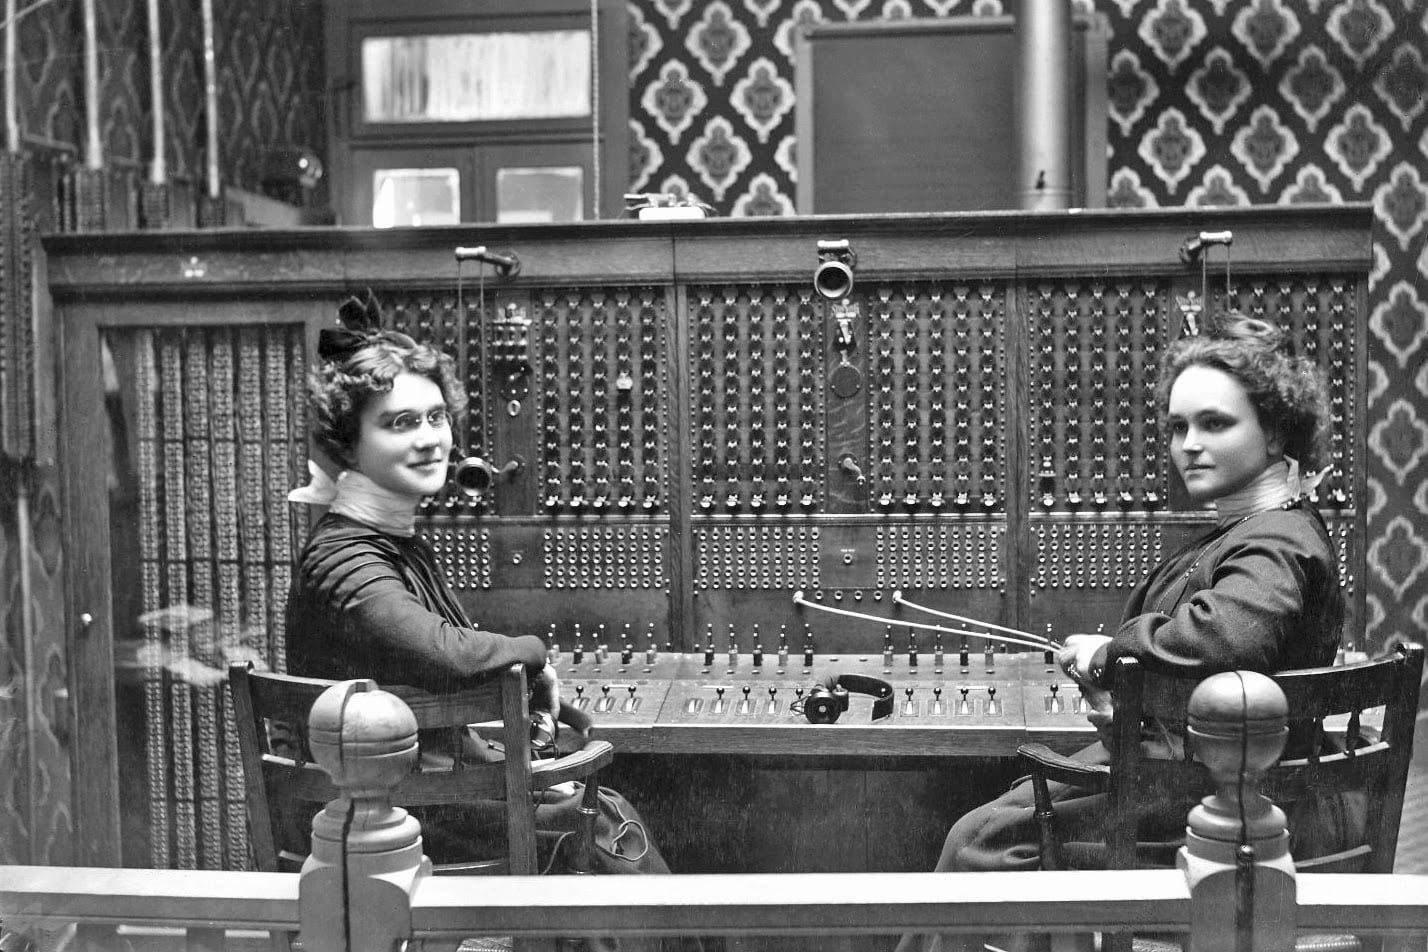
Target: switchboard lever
[(992, 706), (909, 706), (581, 701), (937, 701)]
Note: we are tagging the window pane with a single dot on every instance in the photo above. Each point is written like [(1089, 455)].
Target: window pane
[(415, 197), (470, 77), (540, 194)]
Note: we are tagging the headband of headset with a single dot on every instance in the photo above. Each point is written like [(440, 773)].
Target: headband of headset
[(830, 699)]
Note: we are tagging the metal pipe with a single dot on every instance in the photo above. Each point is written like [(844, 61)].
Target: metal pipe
[(158, 170), (1043, 97), (210, 100), (12, 114), (94, 144)]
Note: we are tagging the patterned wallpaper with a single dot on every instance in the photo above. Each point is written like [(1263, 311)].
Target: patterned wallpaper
[(1211, 102), (271, 85)]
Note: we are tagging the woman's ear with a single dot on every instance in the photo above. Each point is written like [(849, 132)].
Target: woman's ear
[(329, 465), (1274, 444)]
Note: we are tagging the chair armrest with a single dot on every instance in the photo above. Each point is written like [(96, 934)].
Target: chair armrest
[(591, 758), (1043, 761)]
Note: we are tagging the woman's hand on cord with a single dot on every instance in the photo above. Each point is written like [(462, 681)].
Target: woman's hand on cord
[(545, 691), (1076, 656)]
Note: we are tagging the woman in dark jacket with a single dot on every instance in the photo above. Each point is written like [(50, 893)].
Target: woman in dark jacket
[(1258, 591), (368, 599)]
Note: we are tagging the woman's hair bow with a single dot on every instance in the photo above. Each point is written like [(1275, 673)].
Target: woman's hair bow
[(359, 324)]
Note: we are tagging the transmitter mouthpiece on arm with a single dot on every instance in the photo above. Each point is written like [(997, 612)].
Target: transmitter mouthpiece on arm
[(506, 263)]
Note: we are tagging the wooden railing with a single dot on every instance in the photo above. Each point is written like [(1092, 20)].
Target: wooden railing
[(368, 888), (58, 907)]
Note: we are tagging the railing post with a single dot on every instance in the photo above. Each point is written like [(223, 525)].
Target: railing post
[(366, 861), (1236, 854)]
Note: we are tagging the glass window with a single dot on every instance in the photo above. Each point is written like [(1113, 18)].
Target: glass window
[(473, 77), (415, 197), (540, 194)]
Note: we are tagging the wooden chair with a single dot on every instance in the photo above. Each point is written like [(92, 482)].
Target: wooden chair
[(285, 788), (1322, 701)]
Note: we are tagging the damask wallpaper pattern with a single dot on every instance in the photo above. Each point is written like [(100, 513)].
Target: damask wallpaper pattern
[(1211, 102), (270, 82)]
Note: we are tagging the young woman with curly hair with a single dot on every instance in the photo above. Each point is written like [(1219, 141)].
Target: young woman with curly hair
[(1259, 590), (368, 598)]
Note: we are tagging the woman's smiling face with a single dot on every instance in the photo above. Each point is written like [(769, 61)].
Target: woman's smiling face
[(404, 438), (1216, 440)]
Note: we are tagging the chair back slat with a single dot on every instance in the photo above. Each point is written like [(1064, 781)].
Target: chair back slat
[(1323, 692), (468, 706)]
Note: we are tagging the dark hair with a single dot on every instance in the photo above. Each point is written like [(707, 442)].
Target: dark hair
[(1288, 392), (339, 389)]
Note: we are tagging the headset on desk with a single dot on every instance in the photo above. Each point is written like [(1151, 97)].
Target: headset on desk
[(828, 700)]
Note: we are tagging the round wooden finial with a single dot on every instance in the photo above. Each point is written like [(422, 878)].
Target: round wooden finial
[(364, 737), (1237, 726), (1238, 714)]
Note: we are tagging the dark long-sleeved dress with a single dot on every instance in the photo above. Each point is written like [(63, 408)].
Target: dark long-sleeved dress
[(1259, 593), (368, 604)]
